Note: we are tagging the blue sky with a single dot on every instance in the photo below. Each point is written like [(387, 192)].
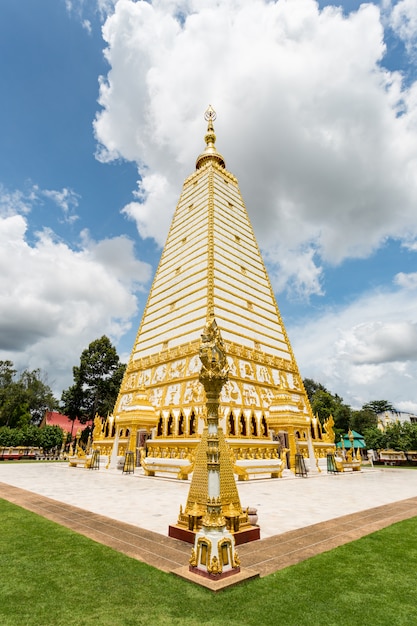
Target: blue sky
[(102, 118)]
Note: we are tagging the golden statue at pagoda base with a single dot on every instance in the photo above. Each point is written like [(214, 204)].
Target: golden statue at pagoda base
[(214, 554)]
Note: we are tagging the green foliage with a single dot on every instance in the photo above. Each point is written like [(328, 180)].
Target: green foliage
[(96, 382), (375, 438), (362, 420), (20, 413), (401, 436), (311, 386), (46, 438), (23, 401), (72, 401), (39, 395), (397, 436), (50, 437), (324, 404), (371, 582), (7, 373), (367, 417), (378, 406), (31, 435), (10, 436)]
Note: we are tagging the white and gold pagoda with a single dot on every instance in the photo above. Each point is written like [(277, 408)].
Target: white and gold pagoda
[(211, 267)]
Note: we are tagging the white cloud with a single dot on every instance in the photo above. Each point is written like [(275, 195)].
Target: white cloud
[(79, 9), (22, 201), (14, 202), (407, 281), (296, 271), (380, 342), (364, 351), (322, 137), (153, 212), (86, 24), (56, 300), (403, 21), (65, 199)]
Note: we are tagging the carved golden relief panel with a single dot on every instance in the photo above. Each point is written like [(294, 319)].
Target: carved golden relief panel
[(250, 395), (173, 395), (171, 378), (193, 393), (231, 393), (177, 369), (159, 374), (155, 397), (263, 374)]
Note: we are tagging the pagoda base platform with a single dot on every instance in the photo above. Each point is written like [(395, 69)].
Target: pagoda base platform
[(219, 576), (219, 584), (246, 535)]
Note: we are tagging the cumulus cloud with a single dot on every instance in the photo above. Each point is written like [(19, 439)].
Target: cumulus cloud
[(403, 20), (407, 281), (55, 299), (379, 342), (153, 210), (321, 136), (294, 271), (365, 350)]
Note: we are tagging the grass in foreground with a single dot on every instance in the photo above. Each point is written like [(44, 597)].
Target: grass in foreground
[(50, 576)]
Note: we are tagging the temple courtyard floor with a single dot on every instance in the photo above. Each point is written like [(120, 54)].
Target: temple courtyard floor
[(298, 517)]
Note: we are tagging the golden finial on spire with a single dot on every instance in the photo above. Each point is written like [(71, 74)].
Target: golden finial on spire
[(210, 153), (210, 114)]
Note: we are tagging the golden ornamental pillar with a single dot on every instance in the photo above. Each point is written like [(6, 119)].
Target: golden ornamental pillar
[(214, 553)]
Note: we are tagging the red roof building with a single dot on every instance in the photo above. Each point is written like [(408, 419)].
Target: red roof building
[(53, 418)]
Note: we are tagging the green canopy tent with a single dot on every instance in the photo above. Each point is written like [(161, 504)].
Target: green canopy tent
[(358, 440)]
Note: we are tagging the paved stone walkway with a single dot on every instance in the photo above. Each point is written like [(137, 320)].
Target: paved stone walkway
[(258, 558)]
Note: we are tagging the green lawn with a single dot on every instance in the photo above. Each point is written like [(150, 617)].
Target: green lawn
[(50, 576)]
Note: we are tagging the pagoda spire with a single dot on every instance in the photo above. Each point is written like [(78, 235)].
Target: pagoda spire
[(211, 268), (210, 153)]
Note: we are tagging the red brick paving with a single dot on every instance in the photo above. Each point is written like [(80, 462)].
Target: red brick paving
[(258, 558)]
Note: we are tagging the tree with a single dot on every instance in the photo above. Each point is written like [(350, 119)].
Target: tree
[(10, 436), (324, 404), (367, 417), (342, 417), (375, 439), (23, 400), (47, 438), (50, 437), (72, 400), (378, 406), (7, 374), (18, 413), (39, 395), (398, 436), (96, 382), (364, 419), (311, 387), (10, 394), (31, 435)]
